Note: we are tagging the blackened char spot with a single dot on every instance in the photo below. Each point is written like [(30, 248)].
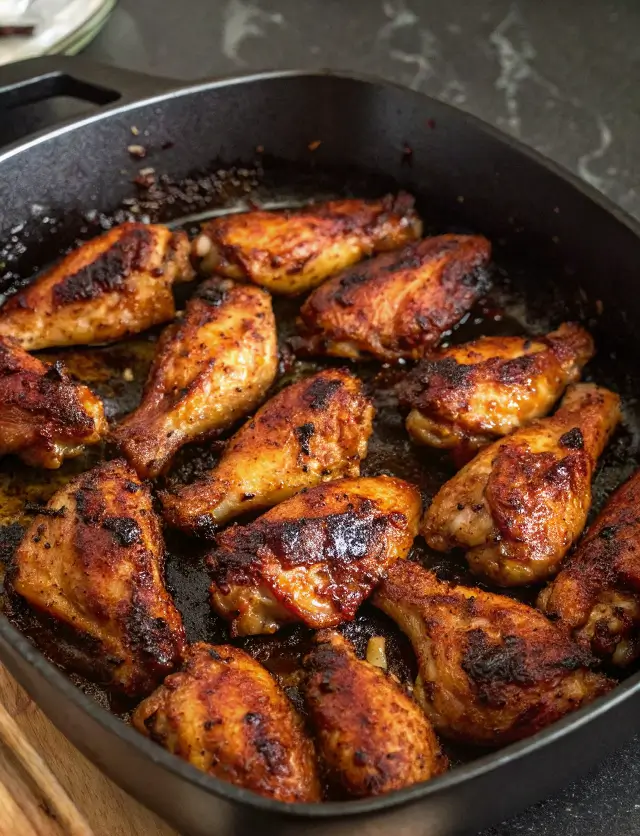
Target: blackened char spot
[(213, 293), (10, 537), (108, 271), (517, 370), (304, 434), (125, 529), (487, 663), (572, 440), (346, 283), (321, 391), (42, 510)]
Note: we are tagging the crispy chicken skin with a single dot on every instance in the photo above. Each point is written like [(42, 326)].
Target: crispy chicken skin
[(91, 566), (398, 304), (211, 368), (312, 431), (372, 738), (466, 396), (109, 288), (44, 417), (227, 716), (492, 670), (596, 595), (521, 503), (291, 251), (315, 557)]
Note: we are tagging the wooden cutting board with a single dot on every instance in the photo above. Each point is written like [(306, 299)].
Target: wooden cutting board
[(107, 810)]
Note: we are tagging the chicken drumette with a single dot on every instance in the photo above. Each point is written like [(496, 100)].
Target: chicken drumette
[(596, 595), (91, 569), (290, 252), (372, 738), (112, 286), (211, 368), (398, 304), (312, 431), (466, 396), (226, 715), (315, 557), (492, 670), (44, 417), (521, 503)]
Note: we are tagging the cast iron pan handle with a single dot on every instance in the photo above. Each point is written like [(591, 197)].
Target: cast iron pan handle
[(41, 79)]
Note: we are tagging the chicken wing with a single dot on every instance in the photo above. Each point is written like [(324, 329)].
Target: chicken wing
[(466, 396), (90, 567), (312, 431), (211, 367), (518, 506), (44, 417), (225, 714), (290, 252), (372, 738), (596, 595), (492, 670), (112, 286), (398, 304), (315, 557)]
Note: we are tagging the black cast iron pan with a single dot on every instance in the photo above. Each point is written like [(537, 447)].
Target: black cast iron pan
[(562, 252)]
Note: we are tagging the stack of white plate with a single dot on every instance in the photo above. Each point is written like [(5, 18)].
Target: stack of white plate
[(59, 26)]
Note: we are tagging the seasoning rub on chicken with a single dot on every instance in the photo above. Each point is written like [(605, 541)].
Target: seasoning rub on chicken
[(310, 432), (315, 557), (109, 288), (226, 715), (520, 504), (372, 738), (596, 595), (211, 368), (291, 251), (466, 396), (492, 670), (45, 417), (398, 304), (90, 567)]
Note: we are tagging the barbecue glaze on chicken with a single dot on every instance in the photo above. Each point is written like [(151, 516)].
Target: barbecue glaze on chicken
[(291, 251), (109, 288)]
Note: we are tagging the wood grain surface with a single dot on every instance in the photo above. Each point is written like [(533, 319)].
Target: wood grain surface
[(24, 812)]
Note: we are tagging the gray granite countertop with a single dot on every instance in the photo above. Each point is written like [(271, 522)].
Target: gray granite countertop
[(564, 77)]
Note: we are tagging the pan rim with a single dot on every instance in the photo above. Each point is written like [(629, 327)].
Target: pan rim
[(185, 771)]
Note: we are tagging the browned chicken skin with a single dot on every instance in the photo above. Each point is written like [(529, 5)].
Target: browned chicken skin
[(210, 369), (492, 670), (466, 396), (312, 431), (291, 251), (91, 567), (44, 417), (398, 304), (372, 738), (111, 287), (597, 593), (315, 557), (521, 503), (226, 715)]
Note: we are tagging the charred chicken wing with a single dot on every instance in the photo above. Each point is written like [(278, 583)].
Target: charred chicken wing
[(312, 431), (112, 286), (211, 367), (315, 557), (521, 503), (44, 417), (466, 396), (226, 715), (91, 569), (372, 738), (492, 670), (597, 593), (290, 252), (398, 304)]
